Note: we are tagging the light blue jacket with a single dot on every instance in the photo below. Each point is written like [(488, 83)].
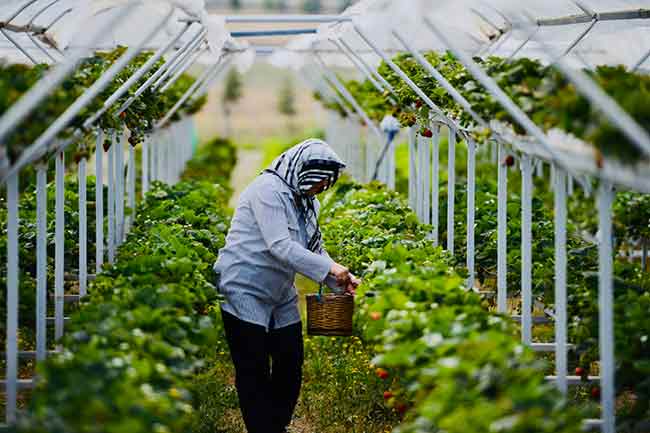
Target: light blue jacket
[(265, 248)]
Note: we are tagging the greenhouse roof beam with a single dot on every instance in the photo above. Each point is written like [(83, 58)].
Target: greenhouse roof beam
[(146, 67), (360, 67), (199, 81), (40, 146), (491, 86), (277, 19), (160, 70), (365, 64), (178, 57), (30, 100), (635, 14), (328, 89), (268, 33), (17, 45), (407, 79), (209, 81), (605, 103), (333, 79)]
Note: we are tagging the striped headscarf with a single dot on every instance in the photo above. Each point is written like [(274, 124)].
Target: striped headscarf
[(301, 167)]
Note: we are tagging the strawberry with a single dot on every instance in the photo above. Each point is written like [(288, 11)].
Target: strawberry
[(387, 395), (418, 103), (401, 408), (581, 372), (509, 161), (382, 374), (375, 315), (123, 115), (427, 133), (595, 392)]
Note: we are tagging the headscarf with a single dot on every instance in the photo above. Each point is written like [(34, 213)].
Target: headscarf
[(302, 167)]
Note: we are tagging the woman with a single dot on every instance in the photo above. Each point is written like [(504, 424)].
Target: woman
[(274, 235)]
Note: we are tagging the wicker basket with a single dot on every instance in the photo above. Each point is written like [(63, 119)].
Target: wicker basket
[(330, 314)]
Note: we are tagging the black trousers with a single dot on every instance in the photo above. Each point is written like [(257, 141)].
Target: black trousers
[(268, 372)]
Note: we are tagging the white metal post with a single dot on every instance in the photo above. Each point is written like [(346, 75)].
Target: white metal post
[(119, 190), (83, 228), (111, 198), (471, 211), (606, 307), (41, 261), (451, 189), (526, 249), (12, 299), (59, 246), (435, 183), (99, 202), (502, 221), (145, 166), (422, 143), (560, 279), (412, 167), (131, 187), (425, 157)]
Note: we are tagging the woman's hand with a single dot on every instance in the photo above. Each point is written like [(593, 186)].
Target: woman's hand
[(341, 273), (352, 285)]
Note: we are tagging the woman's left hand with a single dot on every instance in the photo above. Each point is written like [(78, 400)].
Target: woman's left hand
[(352, 284)]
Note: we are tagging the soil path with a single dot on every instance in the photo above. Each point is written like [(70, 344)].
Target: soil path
[(248, 166)]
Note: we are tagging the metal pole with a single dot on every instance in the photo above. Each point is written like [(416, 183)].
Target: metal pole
[(99, 202), (131, 182), (425, 157), (145, 165), (111, 198), (20, 48), (641, 61), (12, 299), (526, 249), (435, 183), (59, 246), (451, 189), (471, 192), (119, 191), (580, 37), (606, 307), (31, 100), (560, 279), (83, 229), (41, 261), (421, 143), (190, 61), (412, 168), (502, 243)]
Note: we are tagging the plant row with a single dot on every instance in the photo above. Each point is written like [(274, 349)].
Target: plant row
[(448, 363), (541, 91), (140, 117)]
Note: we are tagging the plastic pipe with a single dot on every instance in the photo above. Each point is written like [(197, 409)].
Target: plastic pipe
[(435, 184), (99, 202), (111, 198), (560, 279)]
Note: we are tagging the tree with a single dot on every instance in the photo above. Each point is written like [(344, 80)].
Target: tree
[(311, 6), (287, 103), (232, 92)]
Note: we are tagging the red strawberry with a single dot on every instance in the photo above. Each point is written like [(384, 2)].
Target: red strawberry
[(418, 103), (581, 372), (427, 133), (381, 373), (509, 161), (595, 392), (375, 315), (387, 395), (401, 408), (123, 115)]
